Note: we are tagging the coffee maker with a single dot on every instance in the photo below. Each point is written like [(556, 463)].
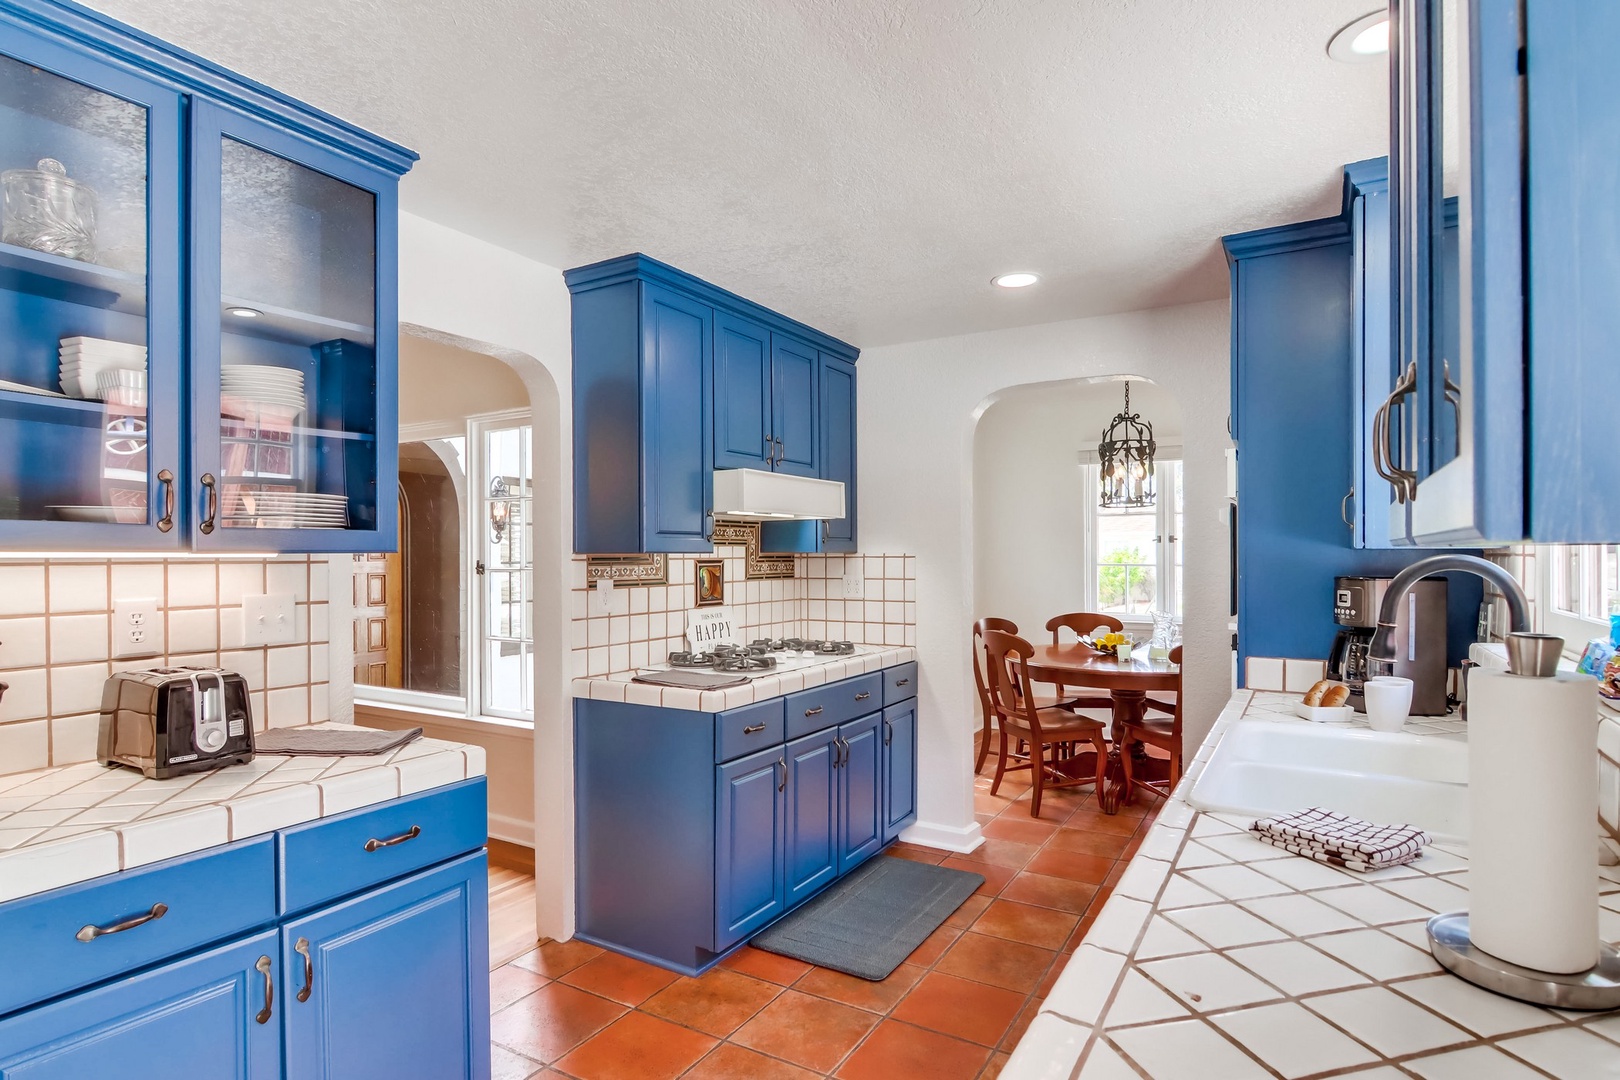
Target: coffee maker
[(1420, 639)]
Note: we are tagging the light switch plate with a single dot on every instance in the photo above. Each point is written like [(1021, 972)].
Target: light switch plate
[(854, 585), (137, 628), (269, 619)]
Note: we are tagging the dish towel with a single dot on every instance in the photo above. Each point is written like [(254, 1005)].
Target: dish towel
[(1342, 840), (332, 741)]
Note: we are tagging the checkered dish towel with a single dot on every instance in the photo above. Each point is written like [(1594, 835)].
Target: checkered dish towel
[(1342, 840)]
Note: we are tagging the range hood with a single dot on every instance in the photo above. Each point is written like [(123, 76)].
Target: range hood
[(769, 496)]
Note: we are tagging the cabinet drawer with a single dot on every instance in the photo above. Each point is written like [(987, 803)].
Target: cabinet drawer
[(341, 855), (899, 683), (742, 731), (205, 897), (812, 710)]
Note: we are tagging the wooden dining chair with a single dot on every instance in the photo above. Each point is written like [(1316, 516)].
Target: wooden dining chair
[(1164, 734), (980, 665), (1083, 623), (1050, 732)]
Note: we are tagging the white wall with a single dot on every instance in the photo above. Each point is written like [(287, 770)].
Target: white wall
[(1029, 492), (919, 406), (439, 383)]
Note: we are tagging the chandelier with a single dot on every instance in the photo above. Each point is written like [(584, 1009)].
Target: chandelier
[(1126, 458)]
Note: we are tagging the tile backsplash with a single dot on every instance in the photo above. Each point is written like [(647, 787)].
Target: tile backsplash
[(56, 643), (642, 624)]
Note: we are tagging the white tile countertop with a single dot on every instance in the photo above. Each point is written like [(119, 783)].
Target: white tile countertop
[(71, 823), (620, 688), (1218, 957)]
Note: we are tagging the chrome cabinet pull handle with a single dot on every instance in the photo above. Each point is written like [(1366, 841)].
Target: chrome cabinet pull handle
[(209, 485), (888, 733), (813, 712), (863, 696), (301, 947), (166, 482), (1453, 395), (781, 763), (1344, 508), (753, 729), (90, 933), (410, 834), (263, 967), (1405, 479), (902, 682)]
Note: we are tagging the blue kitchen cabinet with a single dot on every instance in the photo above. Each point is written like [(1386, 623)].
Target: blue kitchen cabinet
[(392, 983), (796, 406), (215, 1014), (899, 768), (163, 214), (838, 448), (860, 791), (743, 434), (750, 839), (813, 841)]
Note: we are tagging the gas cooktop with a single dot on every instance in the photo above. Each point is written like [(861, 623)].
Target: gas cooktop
[(763, 656)]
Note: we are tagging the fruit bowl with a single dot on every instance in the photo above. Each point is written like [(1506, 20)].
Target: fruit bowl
[(1108, 644)]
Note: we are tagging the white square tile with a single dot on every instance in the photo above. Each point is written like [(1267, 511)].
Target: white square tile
[(1119, 925), (1475, 1063), (1377, 954), (354, 790), (1138, 1001), (193, 584), (476, 761), (1165, 938), (1264, 673), (26, 700), (1291, 1040), (249, 663), (1296, 968), (138, 580), (1208, 982), (288, 577), (22, 643), (1371, 904), (1181, 893), (239, 578), (22, 589), (165, 837), (1244, 848), (1186, 1050), (1434, 895), (193, 630), (1303, 873), (1300, 675), (1226, 926), (78, 587), (1195, 855), (1142, 878), (73, 738), (251, 815), (1236, 882), (37, 869), (1213, 825), (77, 688), (320, 702), (286, 665), (287, 707), (1570, 1052), (1485, 1014), (421, 774), (1083, 989), (1049, 1038), (1387, 1022), (1300, 915)]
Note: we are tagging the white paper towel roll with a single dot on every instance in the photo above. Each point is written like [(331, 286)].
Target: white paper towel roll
[(1532, 788)]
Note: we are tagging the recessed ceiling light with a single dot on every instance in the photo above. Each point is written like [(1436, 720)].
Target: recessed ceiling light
[(1365, 39), (1019, 280), (244, 312)]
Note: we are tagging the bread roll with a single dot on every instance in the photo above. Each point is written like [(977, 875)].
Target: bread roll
[(1313, 696), (1335, 695)]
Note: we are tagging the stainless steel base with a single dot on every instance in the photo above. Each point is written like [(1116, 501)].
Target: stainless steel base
[(1595, 990)]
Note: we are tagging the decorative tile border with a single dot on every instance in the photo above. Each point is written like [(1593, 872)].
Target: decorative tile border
[(628, 569)]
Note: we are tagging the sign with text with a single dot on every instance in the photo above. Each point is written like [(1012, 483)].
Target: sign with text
[(708, 627)]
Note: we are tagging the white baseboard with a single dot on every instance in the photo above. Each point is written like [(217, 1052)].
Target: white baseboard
[(959, 839), (512, 830)]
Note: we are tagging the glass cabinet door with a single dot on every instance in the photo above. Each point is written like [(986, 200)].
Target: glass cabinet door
[(90, 361), (287, 417)]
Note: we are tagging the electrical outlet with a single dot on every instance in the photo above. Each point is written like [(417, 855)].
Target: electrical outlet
[(854, 585), (137, 631), (268, 620)]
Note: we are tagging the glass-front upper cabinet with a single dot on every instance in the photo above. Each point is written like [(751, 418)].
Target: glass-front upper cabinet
[(90, 305), (287, 303)]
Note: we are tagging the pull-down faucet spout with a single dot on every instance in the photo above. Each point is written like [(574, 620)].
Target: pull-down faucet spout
[(1383, 642)]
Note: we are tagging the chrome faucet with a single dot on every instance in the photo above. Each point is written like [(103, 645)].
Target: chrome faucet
[(1382, 648)]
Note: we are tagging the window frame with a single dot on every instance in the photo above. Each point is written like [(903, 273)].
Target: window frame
[(1166, 583), (1592, 620)]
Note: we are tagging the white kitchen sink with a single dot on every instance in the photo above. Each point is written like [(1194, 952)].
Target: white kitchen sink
[(1263, 767)]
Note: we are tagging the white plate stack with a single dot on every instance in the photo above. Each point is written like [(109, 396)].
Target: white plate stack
[(83, 359), (266, 389), (291, 510)]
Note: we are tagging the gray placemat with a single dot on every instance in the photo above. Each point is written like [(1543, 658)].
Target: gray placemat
[(332, 741), (868, 923)]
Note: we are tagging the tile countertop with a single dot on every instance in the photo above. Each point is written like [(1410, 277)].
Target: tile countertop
[(71, 823), (1218, 957), (620, 688)]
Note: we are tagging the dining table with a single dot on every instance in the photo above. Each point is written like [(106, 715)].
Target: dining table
[(1128, 682)]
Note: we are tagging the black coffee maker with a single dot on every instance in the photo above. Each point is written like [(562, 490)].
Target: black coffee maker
[(1420, 639)]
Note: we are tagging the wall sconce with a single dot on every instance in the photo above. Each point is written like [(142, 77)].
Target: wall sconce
[(499, 509)]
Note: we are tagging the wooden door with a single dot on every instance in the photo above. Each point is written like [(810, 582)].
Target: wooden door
[(379, 607)]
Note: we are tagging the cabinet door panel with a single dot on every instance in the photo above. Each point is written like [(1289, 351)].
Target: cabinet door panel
[(838, 447), (749, 829), (860, 790), (742, 393), (195, 1018), (812, 814), (796, 406), (398, 979), (676, 455), (899, 768)]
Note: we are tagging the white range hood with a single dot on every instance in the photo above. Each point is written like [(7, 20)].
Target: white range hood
[(769, 496)]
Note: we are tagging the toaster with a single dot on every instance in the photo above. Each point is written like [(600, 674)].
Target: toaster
[(173, 721)]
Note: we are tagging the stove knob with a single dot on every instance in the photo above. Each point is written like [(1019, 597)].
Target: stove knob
[(211, 738)]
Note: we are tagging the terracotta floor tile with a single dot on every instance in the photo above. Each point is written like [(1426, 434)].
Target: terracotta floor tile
[(1091, 869), (552, 1021), (1114, 874), (1010, 965), (986, 803), (1088, 842), (994, 876), (637, 1047), (509, 982), (934, 946), (916, 854), (959, 1007), (718, 1002), (984, 819), (897, 1051), (730, 1062), (1008, 853), (1039, 926), (993, 1069), (782, 970), (878, 997), (505, 1065), (620, 978), (1093, 820), (1052, 892), (1020, 1024), (970, 909), (556, 958), (806, 1030), (1020, 829)]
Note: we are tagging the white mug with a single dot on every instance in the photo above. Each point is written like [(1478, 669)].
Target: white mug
[(1389, 702)]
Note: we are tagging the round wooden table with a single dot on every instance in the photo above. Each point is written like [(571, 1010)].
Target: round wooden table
[(1128, 684)]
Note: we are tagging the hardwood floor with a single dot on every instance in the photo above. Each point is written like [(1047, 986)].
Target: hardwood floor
[(511, 915)]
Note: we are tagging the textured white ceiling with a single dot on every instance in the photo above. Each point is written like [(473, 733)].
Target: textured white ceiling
[(864, 165)]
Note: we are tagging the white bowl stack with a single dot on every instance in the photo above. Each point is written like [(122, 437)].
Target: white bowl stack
[(264, 388), (82, 360)]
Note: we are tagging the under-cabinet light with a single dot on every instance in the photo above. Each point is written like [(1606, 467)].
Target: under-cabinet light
[(128, 556)]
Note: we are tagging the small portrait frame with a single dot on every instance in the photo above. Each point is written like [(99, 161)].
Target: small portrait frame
[(709, 577)]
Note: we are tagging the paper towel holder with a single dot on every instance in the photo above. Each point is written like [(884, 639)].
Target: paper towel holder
[(1595, 989)]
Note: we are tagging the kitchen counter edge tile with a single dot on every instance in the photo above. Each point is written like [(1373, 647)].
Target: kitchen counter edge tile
[(71, 823), (620, 688)]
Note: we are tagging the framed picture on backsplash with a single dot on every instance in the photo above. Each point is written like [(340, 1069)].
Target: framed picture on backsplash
[(710, 576)]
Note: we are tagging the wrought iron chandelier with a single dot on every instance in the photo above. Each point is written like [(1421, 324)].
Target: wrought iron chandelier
[(1126, 458)]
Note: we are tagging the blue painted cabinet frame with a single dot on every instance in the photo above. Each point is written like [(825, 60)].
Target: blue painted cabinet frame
[(189, 101), (750, 844)]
